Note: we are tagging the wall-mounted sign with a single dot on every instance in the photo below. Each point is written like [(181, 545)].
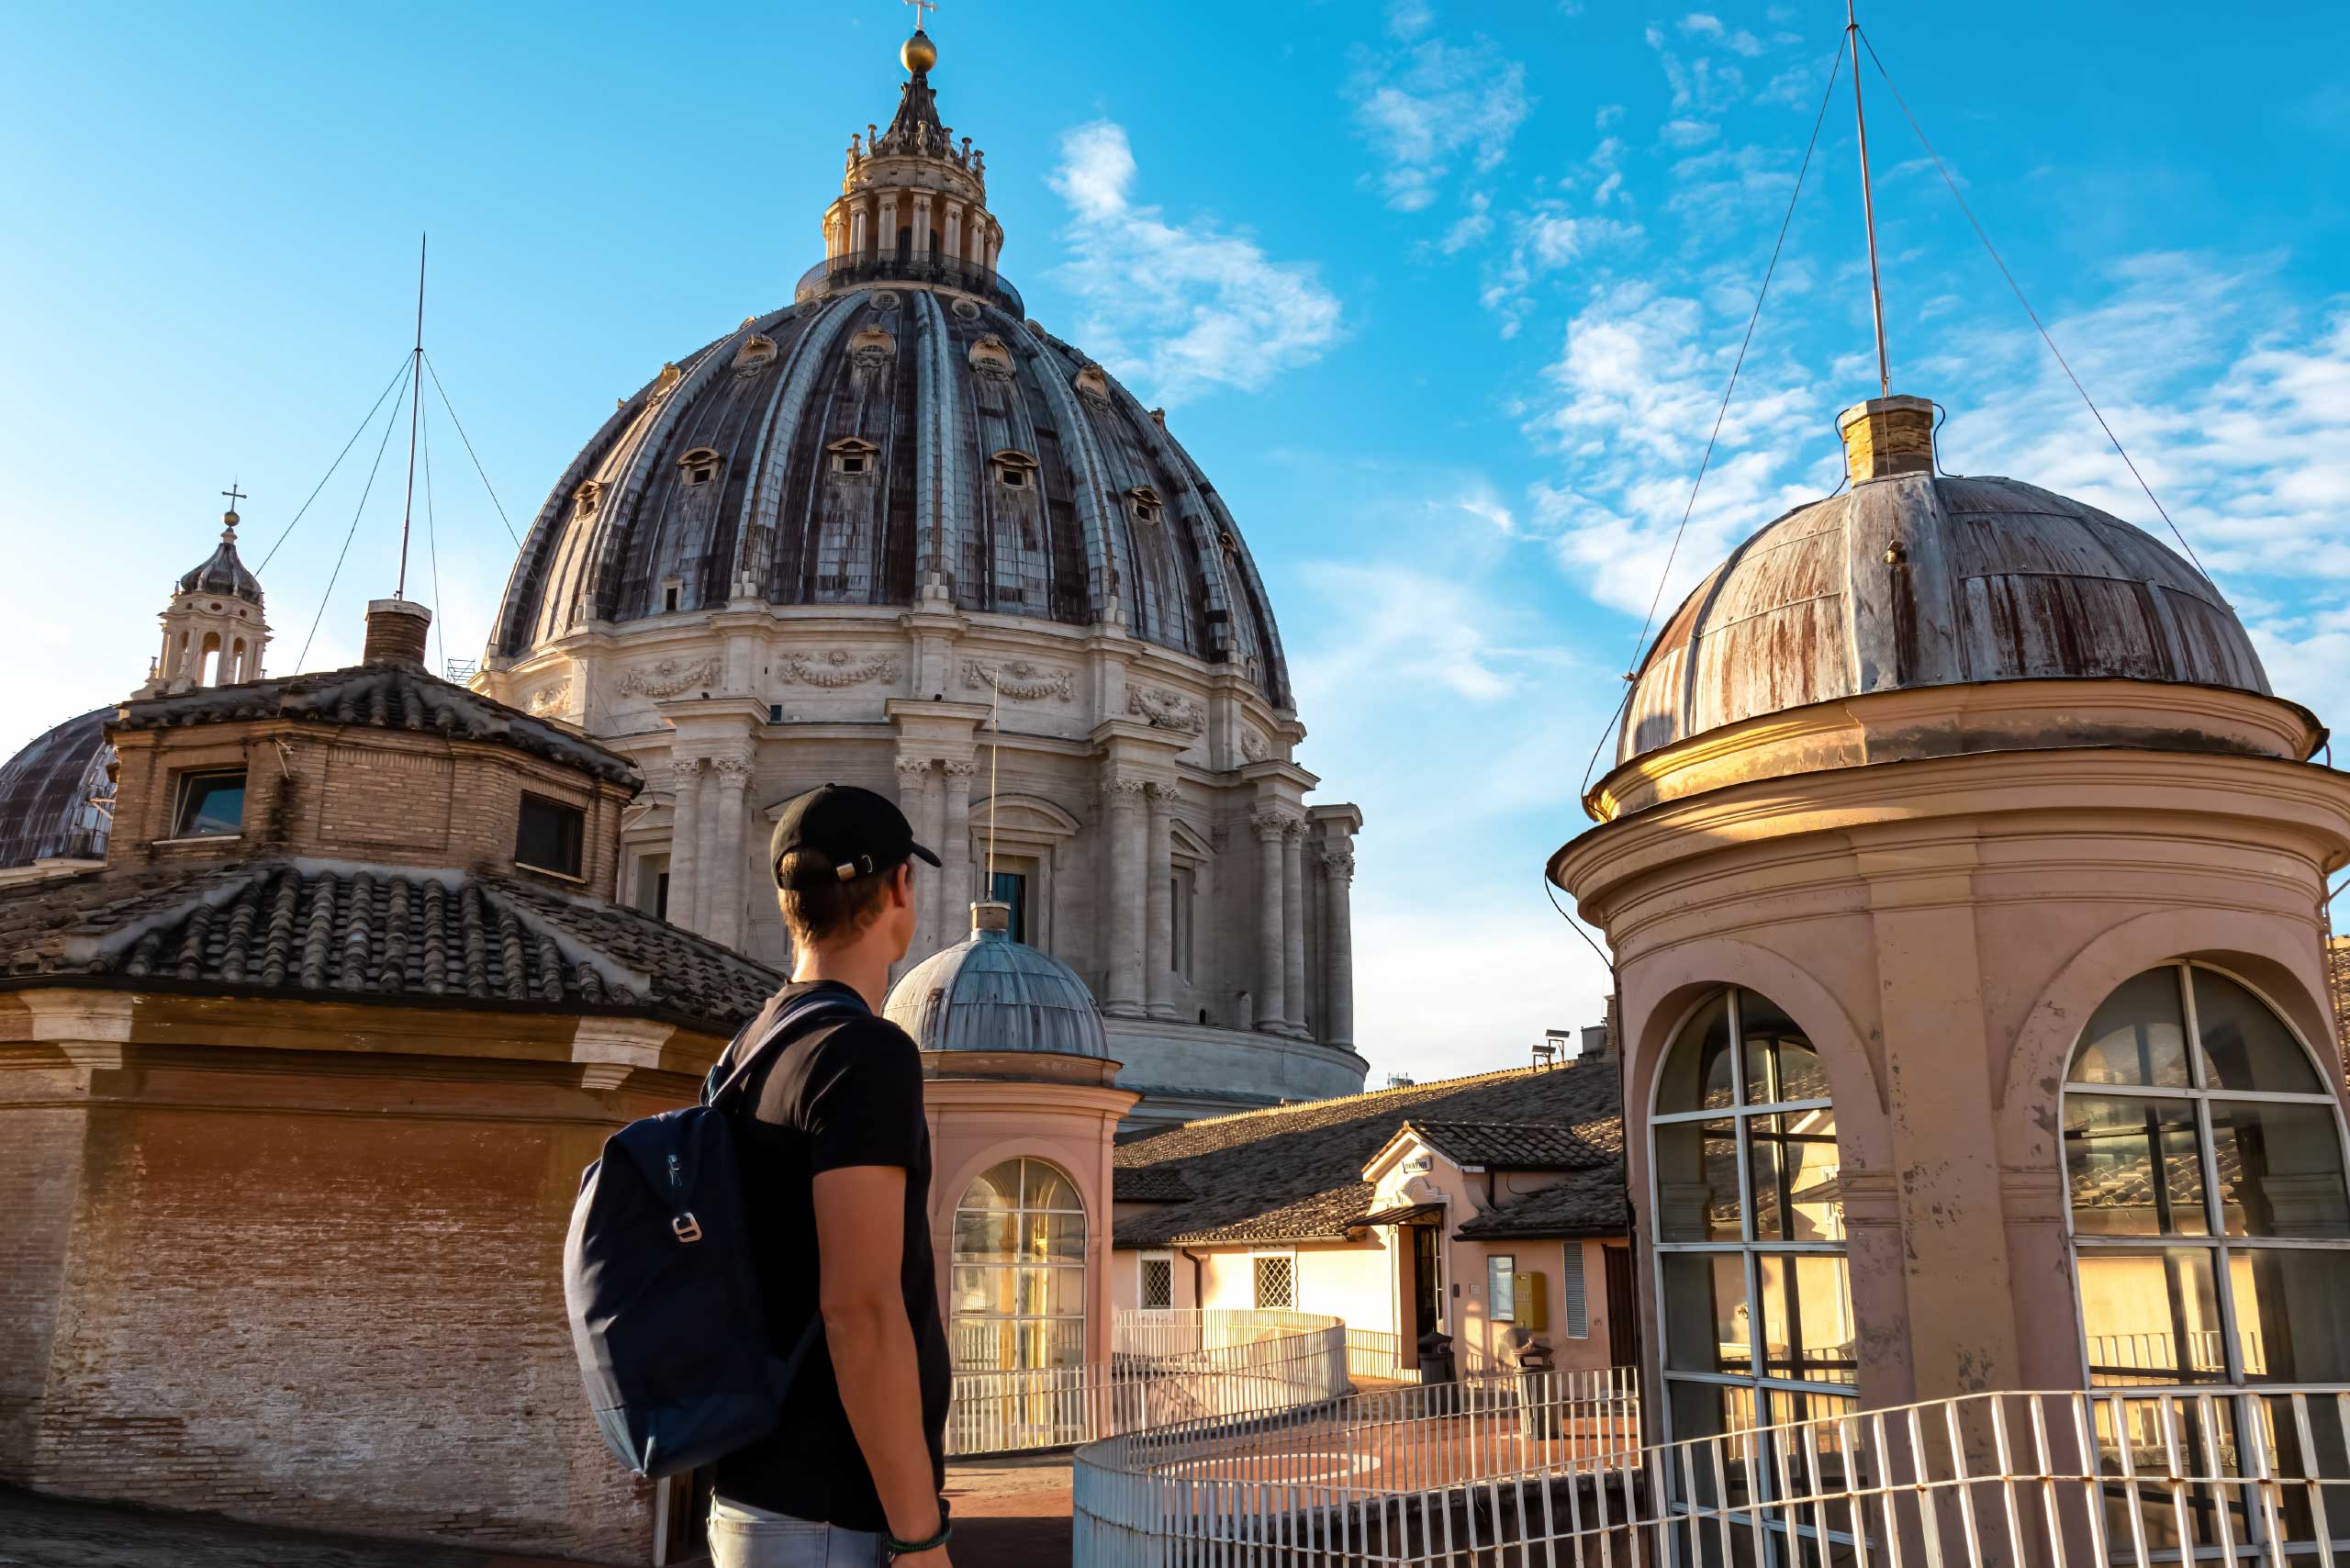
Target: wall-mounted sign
[(1418, 1165)]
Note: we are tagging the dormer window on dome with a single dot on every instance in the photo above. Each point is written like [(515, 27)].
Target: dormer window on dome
[(990, 359), (757, 350), (701, 466), (854, 458), (1014, 470), (1145, 502)]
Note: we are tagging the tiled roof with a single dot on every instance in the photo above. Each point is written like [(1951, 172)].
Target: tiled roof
[(363, 932), (386, 696), (1149, 1185), (1585, 1202), (1509, 1145), (1295, 1173)]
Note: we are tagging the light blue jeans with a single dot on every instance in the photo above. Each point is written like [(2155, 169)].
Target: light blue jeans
[(745, 1537)]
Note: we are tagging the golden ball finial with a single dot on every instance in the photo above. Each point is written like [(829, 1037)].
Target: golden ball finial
[(918, 54)]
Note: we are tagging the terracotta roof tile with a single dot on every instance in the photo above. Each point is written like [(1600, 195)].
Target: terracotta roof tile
[(1295, 1173), (386, 696), (1509, 1145), (330, 928)]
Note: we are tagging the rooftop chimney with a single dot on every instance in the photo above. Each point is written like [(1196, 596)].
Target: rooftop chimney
[(396, 631), (1887, 437), (990, 918)]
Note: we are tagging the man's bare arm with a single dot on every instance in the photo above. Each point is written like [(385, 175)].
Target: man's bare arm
[(860, 1239)]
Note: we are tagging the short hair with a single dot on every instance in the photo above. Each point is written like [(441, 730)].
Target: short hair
[(818, 907)]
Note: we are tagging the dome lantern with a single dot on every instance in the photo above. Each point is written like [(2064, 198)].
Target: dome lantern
[(214, 632)]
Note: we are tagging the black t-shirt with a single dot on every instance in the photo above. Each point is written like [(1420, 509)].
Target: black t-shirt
[(845, 1094)]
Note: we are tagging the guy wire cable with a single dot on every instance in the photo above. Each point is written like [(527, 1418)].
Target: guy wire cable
[(432, 548), (434, 371), (339, 456), (1640, 639), (356, 511), (2017, 289)]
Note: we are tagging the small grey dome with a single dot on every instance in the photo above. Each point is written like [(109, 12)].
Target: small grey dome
[(1930, 580), (222, 572), (992, 993)]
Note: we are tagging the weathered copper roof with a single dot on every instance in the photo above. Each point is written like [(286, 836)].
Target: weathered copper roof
[(387, 696), (46, 792), (1922, 581), (990, 993), (1295, 1173), (932, 388), (371, 932), (222, 572)]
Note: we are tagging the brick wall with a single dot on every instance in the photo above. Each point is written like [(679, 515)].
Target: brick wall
[(333, 1321), (40, 1167), (388, 796)]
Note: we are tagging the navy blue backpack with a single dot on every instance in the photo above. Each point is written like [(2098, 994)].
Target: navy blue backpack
[(657, 1275)]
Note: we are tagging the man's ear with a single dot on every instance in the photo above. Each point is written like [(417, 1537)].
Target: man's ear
[(902, 888)]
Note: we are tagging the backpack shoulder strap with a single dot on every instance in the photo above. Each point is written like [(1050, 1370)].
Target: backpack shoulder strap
[(733, 1065)]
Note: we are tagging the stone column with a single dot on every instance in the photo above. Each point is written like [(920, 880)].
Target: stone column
[(1338, 947), (914, 777), (955, 909), (1294, 926), (1273, 970), (887, 245), (922, 224), (722, 913), (1158, 952), (930, 828), (1124, 928), (685, 841)]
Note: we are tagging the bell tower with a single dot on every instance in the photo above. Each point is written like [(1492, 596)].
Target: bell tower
[(214, 632)]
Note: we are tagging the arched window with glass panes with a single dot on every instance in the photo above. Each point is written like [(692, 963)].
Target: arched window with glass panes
[(1754, 1296), (2204, 1168), (1019, 1270)]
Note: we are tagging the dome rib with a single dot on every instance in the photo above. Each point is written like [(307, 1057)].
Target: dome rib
[(990, 993), (782, 525)]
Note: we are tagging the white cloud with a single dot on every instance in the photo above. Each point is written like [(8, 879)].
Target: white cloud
[(1409, 18), (1608, 115), (1180, 308), (1470, 227), (1687, 133), (1634, 393), (1543, 240), (1425, 108)]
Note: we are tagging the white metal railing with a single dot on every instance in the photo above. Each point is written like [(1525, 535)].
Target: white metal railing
[(1400, 1479), (2115, 1358), (1168, 1366), (1376, 1353)]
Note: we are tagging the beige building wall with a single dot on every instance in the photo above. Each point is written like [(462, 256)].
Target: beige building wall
[(1942, 932)]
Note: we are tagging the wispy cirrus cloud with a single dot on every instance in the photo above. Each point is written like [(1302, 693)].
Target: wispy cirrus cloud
[(1427, 108), (1180, 308)]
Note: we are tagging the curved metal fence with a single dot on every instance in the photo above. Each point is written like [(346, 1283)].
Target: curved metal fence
[(1550, 1472), (1164, 1368)]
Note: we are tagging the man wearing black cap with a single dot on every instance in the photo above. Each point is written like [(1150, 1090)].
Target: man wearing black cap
[(836, 1155)]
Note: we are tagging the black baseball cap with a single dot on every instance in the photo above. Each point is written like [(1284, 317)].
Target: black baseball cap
[(862, 834)]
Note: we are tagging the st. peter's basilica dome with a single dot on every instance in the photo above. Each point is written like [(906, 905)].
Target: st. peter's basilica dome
[(896, 534), (865, 440)]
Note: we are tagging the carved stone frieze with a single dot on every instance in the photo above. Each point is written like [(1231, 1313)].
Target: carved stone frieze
[(1021, 680), (1252, 745), (1166, 709), (666, 677), (838, 668), (547, 699)]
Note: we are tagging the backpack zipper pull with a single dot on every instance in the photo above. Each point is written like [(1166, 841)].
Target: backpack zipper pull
[(677, 1175)]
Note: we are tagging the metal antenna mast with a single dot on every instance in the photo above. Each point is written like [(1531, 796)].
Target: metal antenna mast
[(1868, 203), (416, 372)]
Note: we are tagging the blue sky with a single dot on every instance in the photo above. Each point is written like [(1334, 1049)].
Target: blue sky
[(1442, 296)]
